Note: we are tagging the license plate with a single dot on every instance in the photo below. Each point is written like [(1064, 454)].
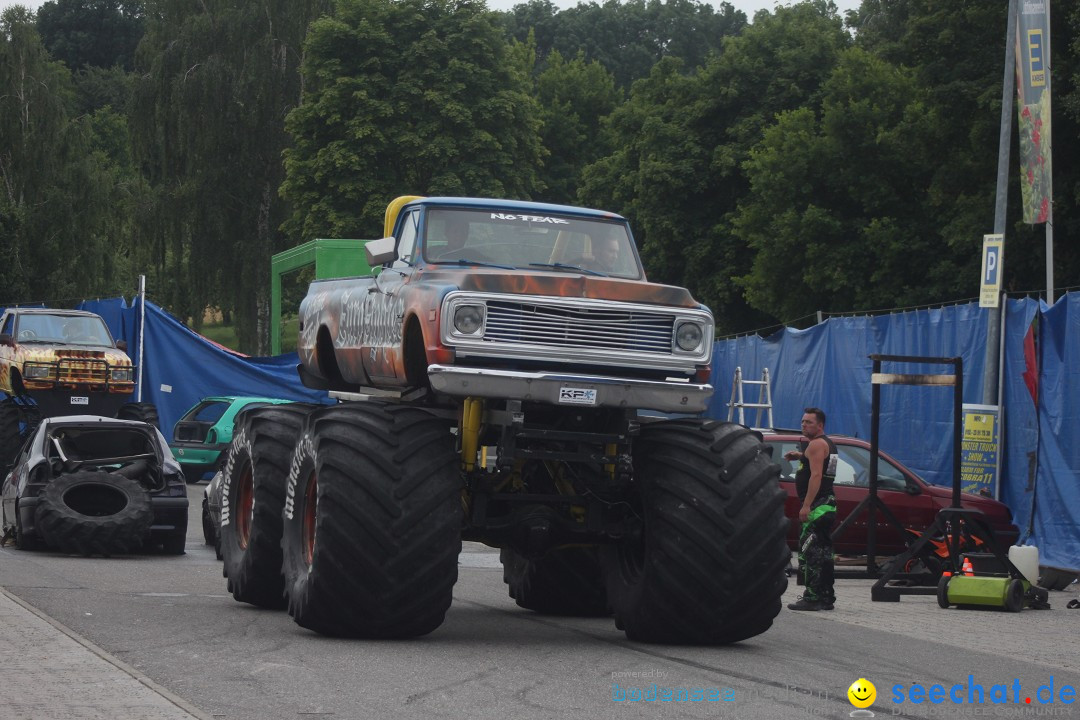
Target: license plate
[(79, 400), (577, 396)]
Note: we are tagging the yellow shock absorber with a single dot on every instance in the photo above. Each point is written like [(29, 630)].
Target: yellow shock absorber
[(473, 412), (610, 451)]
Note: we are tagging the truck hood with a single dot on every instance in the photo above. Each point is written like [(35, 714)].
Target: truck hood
[(48, 353), (559, 284)]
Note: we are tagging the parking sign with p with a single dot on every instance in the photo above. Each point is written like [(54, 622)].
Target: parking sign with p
[(992, 261)]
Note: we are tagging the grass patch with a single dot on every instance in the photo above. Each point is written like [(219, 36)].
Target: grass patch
[(222, 334), (226, 334)]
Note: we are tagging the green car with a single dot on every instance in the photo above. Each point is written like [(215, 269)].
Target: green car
[(203, 434)]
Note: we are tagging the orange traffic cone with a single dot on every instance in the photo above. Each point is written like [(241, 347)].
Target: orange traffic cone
[(967, 568)]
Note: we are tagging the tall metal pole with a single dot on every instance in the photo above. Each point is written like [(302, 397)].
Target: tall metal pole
[(1050, 153), (142, 333), (1008, 97)]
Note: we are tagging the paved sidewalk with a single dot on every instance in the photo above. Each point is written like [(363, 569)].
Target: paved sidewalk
[(48, 672), (1047, 637)]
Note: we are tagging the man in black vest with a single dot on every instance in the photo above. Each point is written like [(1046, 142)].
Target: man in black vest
[(814, 484)]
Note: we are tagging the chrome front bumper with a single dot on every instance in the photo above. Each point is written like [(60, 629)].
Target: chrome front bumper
[(570, 390)]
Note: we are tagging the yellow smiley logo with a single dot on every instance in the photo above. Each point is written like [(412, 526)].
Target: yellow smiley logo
[(862, 693)]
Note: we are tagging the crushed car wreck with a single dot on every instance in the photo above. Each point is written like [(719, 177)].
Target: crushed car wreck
[(95, 486)]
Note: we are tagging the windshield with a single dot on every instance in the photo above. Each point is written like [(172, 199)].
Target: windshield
[(87, 330), (521, 240)]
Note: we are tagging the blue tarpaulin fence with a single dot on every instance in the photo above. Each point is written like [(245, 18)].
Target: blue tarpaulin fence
[(180, 367), (1056, 513), (825, 366)]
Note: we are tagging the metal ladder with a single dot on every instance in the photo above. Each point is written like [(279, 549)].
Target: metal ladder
[(764, 403)]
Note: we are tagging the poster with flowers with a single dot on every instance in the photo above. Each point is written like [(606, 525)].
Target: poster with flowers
[(1033, 91)]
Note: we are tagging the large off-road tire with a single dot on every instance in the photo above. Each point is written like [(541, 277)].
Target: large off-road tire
[(12, 422), (562, 582), (708, 567), (253, 494), (372, 522), (141, 411), (94, 513)]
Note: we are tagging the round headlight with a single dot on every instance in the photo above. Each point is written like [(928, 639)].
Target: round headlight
[(468, 319), (688, 336)]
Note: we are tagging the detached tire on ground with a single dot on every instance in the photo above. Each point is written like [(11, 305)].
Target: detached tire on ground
[(143, 412), (94, 513), (709, 565), (373, 522), (253, 495), (562, 582)]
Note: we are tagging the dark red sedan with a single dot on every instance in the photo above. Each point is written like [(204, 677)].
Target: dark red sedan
[(914, 502)]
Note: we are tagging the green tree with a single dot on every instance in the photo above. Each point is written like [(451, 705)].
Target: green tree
[(681, 140), (956, 52), (574, 97), (627, 38), (413, 96), (216, 79), (96, 33), (836, 214), (61, 208)]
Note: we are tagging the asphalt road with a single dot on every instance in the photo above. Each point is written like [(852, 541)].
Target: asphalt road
[(171, 618)]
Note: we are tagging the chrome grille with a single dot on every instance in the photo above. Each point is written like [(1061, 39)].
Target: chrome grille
[(578, 328)]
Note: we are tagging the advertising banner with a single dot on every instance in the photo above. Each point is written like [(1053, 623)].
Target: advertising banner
[(979, 450), (1033, 91)]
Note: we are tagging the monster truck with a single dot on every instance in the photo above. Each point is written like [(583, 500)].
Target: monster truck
[(61, 362), (514, 380)]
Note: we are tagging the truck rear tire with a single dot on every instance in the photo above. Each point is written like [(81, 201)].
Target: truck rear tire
[(708, 567), (254, 495), (373, 522), (94, 513), (141, 411), (562, 582)]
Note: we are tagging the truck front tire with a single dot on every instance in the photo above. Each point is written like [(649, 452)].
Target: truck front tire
[(373, 522), (708, 567)]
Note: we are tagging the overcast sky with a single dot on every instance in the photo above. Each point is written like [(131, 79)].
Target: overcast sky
[(747, 6)]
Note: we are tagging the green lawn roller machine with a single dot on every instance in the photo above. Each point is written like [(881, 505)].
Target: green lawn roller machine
[(983, 579)]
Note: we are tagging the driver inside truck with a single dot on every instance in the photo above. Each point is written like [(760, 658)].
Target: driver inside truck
[(456, 232), (73, 331)]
